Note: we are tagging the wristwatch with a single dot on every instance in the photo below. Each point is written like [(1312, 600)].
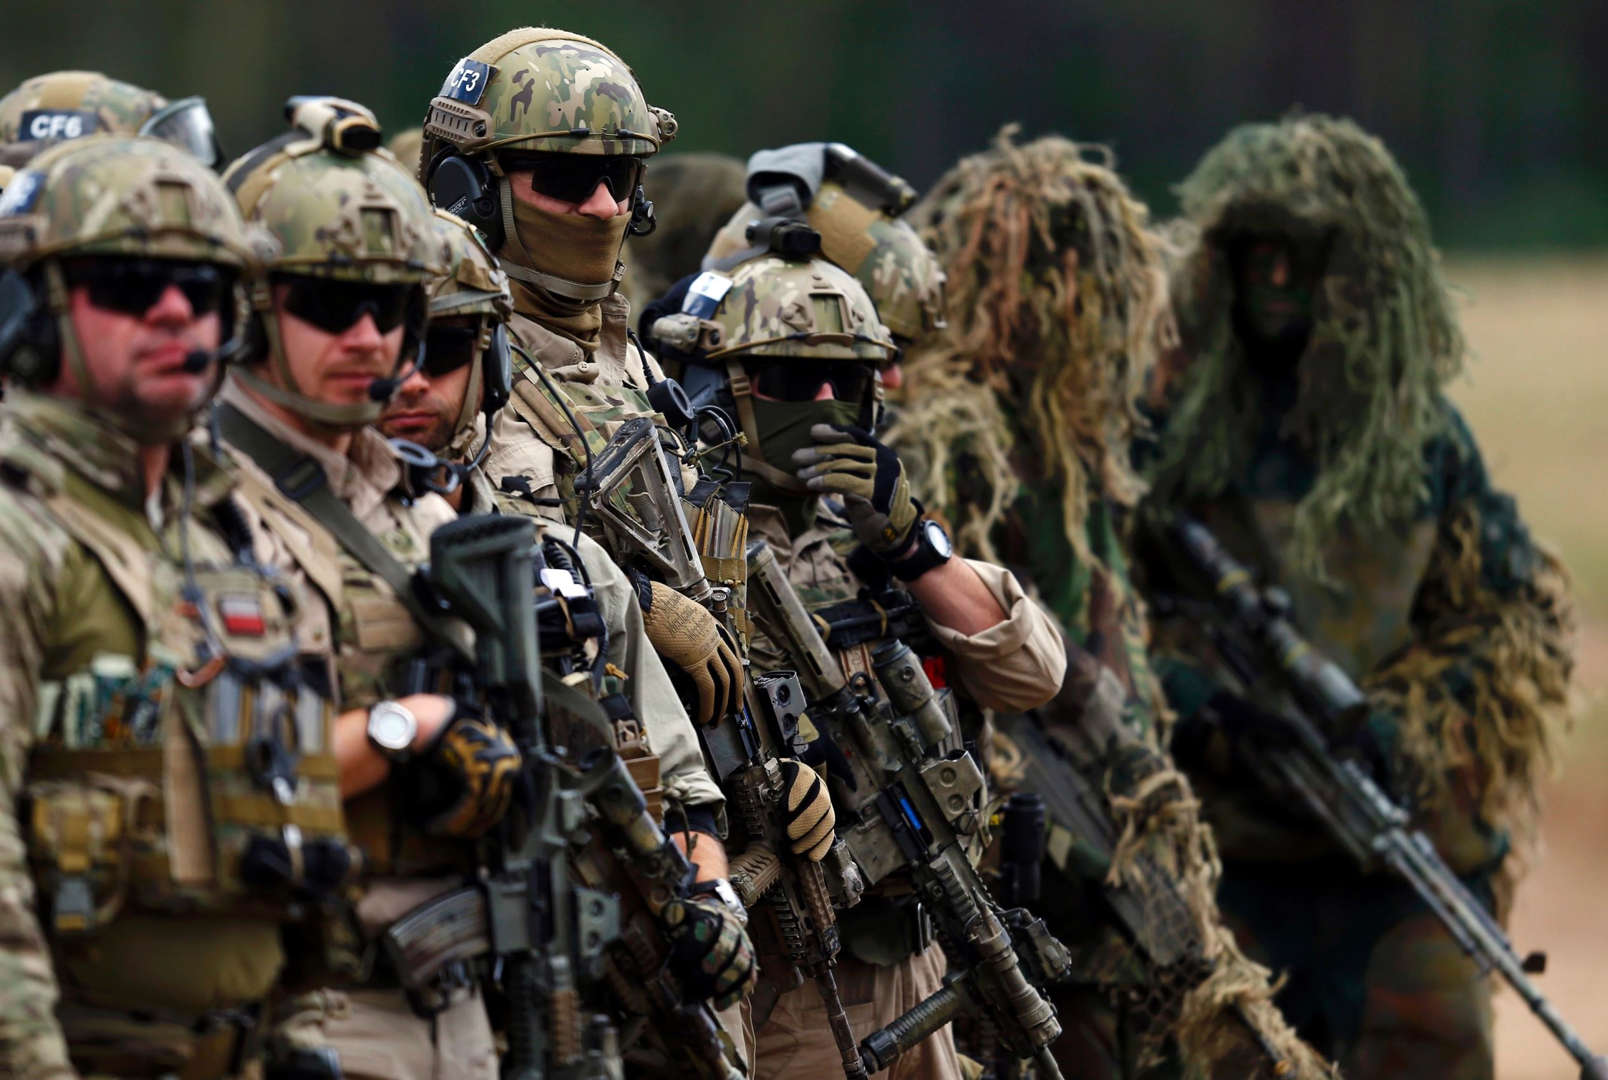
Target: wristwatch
[(933, 548), (721, 890), (392, 727)]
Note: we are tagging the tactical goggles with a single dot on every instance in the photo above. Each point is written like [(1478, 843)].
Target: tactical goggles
[(450, 346), (336, 306), (187, 124), (799, 379), (133, 285), (572, 178)]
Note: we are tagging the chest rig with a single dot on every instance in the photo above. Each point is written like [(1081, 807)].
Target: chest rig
[(193, 774)]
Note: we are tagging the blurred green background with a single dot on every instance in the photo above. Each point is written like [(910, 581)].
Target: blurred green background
[(1496, 107)]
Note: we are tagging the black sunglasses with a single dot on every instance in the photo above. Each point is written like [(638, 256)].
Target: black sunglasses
[(335, 306), (572, 178), (799, 379), (448, 347), (134, 285)]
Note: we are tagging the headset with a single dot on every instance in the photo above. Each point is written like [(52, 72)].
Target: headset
[(30, 341)]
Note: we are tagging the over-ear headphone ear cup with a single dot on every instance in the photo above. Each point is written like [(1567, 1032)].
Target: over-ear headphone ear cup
[(30, 341), (466, 187), (497, 371)]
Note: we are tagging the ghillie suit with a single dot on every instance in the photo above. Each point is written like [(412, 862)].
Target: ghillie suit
[(1346, 478), (1017, 420)]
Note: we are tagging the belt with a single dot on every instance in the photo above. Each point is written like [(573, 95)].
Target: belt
[(218, 1043)]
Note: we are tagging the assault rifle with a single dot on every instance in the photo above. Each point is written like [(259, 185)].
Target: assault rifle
[(913, 799), (552, 924), (629, 490), (1254, 635)]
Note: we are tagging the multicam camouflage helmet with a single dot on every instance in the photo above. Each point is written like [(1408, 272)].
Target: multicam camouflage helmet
[(810, 310), (327, 202), (48, 109), (884, 253), (540, 89), (474, 286), (118, 197), (805, 311)]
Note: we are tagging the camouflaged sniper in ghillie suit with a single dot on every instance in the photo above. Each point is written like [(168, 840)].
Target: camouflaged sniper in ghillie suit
[(1354, 485), (1016, 421)]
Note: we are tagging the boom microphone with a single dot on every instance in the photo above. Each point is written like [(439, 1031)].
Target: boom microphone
[(196, 361), (383, 388)]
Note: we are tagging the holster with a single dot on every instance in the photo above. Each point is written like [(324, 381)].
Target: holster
[(885, 930)]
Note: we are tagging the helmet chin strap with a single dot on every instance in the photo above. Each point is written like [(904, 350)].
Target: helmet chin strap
[(582, 291)]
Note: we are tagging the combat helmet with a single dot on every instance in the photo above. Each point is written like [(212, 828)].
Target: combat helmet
[(540, 91), (48, 109), (328, 202), (474, 285), (855, 206), (771, 313), (103, 196)]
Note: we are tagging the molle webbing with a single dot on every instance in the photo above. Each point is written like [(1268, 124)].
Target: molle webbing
[(301, 479)]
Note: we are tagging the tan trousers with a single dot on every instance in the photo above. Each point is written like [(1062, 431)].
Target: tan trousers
[(378, 1037), (797, 1040)]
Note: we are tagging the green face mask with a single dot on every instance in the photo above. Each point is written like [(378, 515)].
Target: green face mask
[(784, 426)]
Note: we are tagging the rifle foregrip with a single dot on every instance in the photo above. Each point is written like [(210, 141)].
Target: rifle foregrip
[(882, 1048)]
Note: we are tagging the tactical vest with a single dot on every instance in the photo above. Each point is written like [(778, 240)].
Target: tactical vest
[(184, 773)]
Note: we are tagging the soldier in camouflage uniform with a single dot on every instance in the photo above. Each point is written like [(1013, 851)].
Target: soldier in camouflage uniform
[(350, 244), (48, 109), (539, 138), (156, 833), (1309, 430), (802, 342), (442, 407), (1017, 418)]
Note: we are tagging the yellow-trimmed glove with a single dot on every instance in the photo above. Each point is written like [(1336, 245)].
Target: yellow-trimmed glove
[(849, 461), (809, 815), (694, 641), (470, 775), (710, 952)]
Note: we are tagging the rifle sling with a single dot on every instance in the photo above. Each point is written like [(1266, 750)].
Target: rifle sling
[(300, 478)]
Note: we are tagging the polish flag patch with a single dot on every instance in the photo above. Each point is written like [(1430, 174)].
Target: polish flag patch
[(242, 615)]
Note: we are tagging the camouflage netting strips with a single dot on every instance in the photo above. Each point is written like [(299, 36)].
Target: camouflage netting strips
[(1384, 340), (1056, 297), (1158, 815), (1485, 694)]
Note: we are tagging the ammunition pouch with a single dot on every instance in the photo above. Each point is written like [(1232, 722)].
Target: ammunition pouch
[(884, 930), (113, 827), (218, 1043)]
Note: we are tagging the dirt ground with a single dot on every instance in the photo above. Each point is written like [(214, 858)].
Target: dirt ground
[(1538, 402)]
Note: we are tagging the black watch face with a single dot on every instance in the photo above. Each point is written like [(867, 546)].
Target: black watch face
[(939, 539)]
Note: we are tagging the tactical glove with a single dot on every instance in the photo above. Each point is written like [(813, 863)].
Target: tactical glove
[(710, 952), (850, 462), (808, 810), (694, 641), (464, 784)]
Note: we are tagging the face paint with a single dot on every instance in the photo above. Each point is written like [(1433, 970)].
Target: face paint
[(1275, 281)]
